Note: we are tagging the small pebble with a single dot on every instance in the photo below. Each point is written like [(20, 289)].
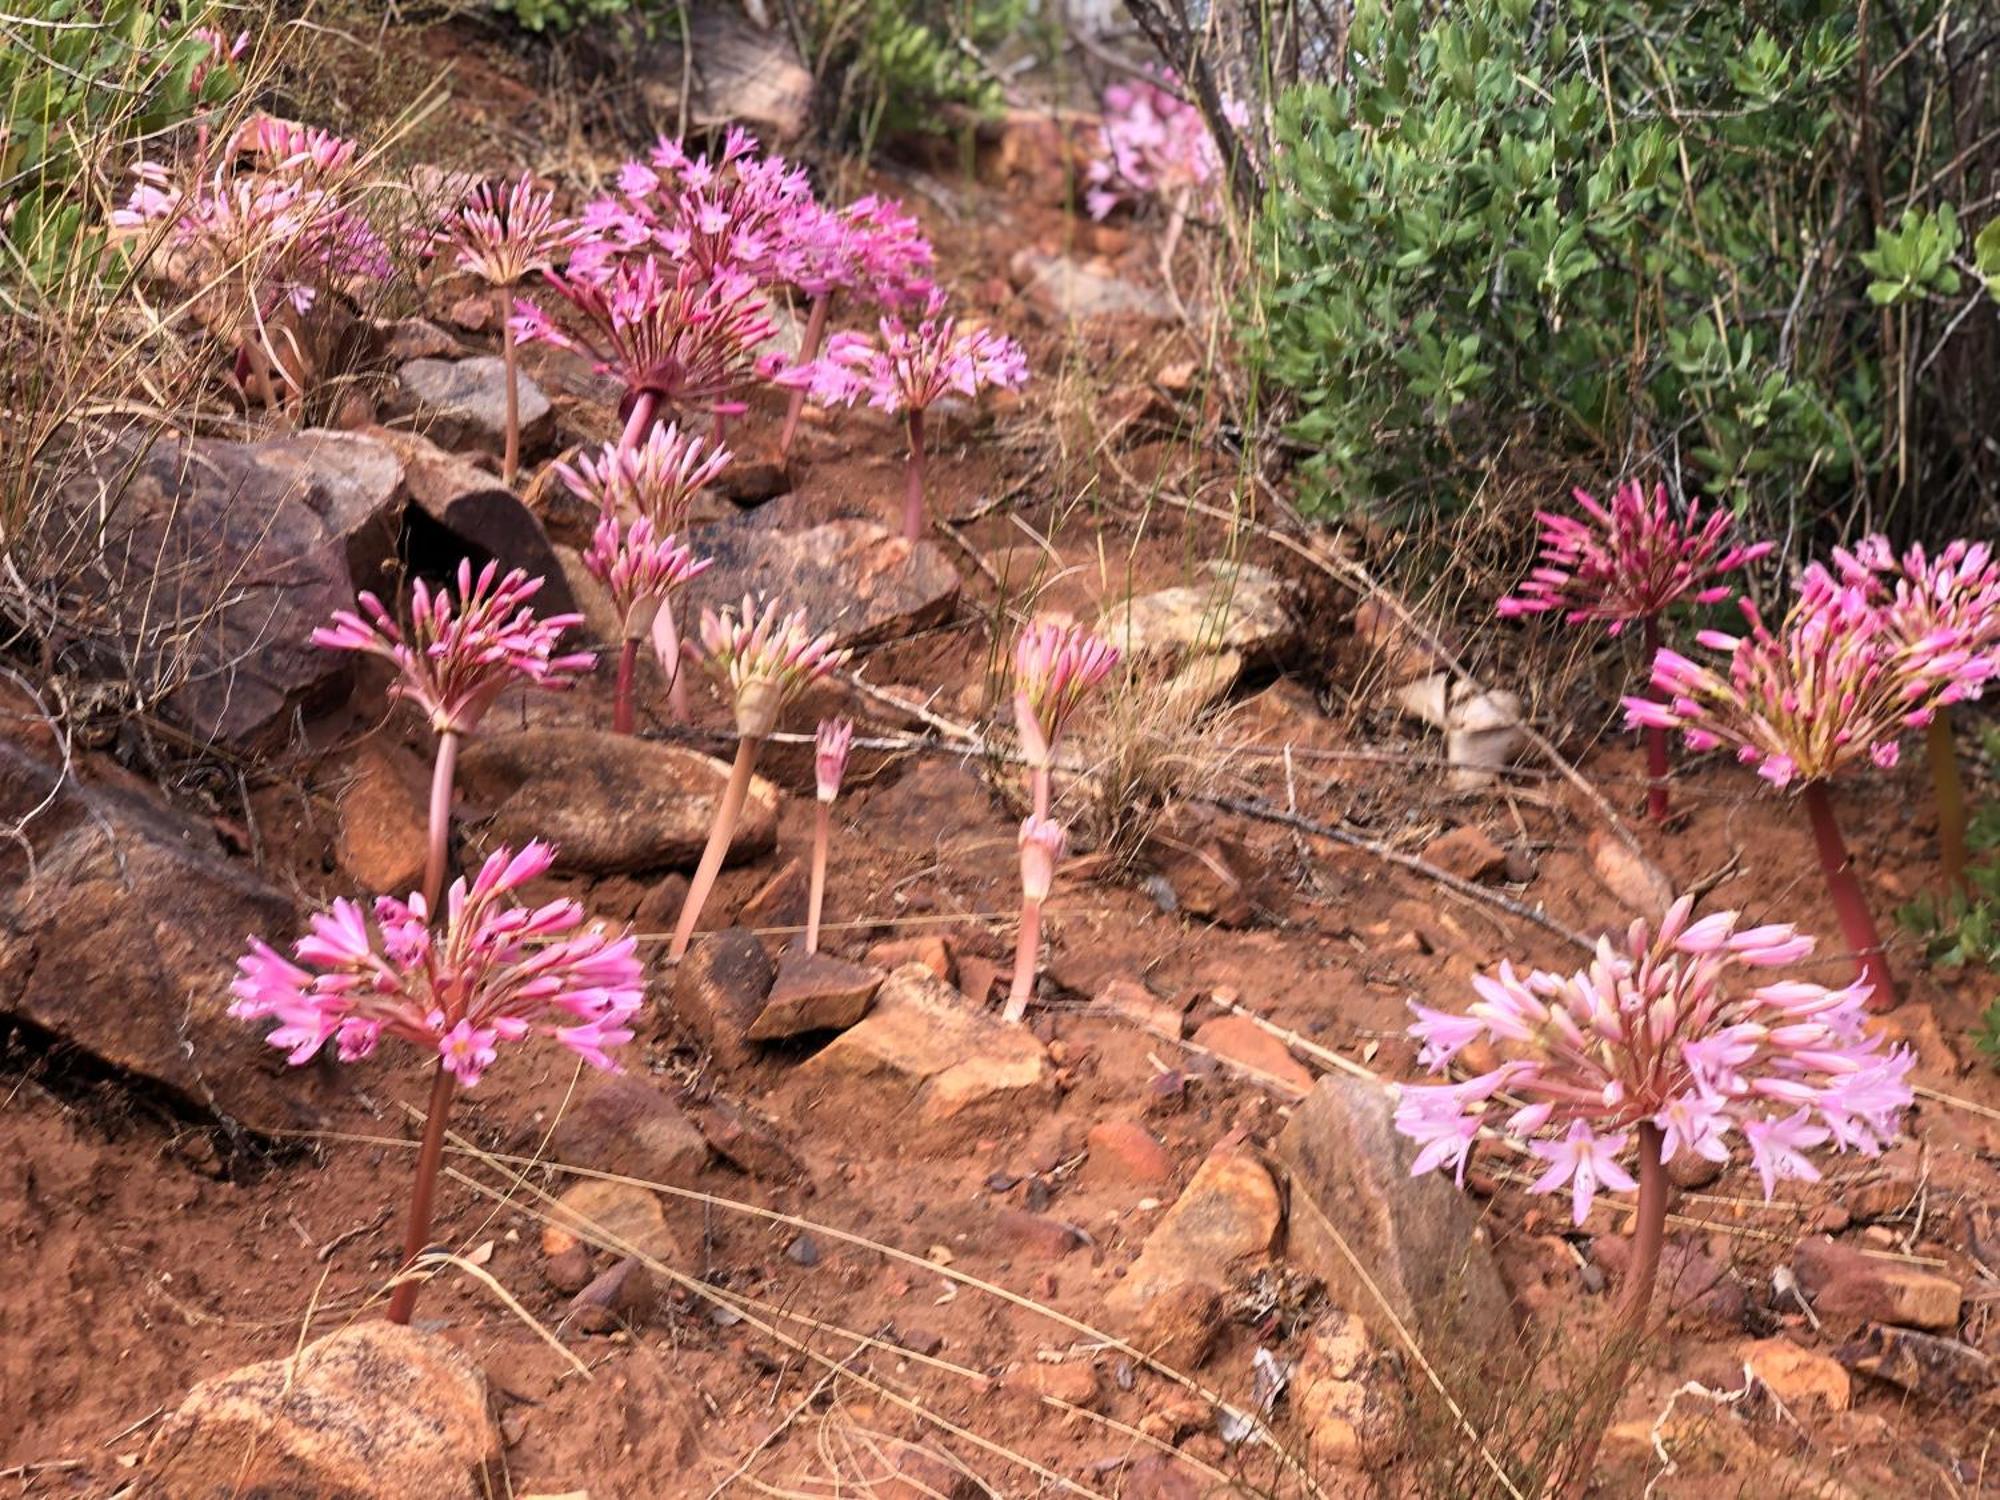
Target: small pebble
[(803, 1251)]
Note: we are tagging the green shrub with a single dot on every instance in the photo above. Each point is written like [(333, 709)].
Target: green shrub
[(1563, 240), (560, 16), (888, 65)]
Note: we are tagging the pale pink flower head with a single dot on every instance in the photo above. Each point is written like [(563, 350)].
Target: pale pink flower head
[(908, 368), (493, 971), (1834, 684), (1632, 561), (639, 569), (871, 247), (692, 341), (219, 54), (658, 477), (1056, 664), (505, 235), (1945, 609), (764, 660), (1043, 843), (460, 653), (1676, 1028), (287, 147), (830, 747), (1152, 143)]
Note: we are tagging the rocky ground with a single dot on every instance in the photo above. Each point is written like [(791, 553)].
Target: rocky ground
[(836, 1230)]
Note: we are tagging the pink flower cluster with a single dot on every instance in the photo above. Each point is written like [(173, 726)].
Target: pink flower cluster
[(504, 236), (907, 369), (639, 568), (493, 972), (763, 661), (1661, 1032), (1631, 561), (1946, 608), (657, 477), (1835, 682), (459, 655), (1154, 143), (1056, 664)]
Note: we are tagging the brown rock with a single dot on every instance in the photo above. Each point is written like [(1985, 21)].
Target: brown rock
[(461, 405), (660, 907), (743, 73), (1345, 1401), (1844, 1283), (621, 1296), (1208, 875), (720, 989), (814, 992), (1240, 1040), (1240, 607), (1881, 1195), (1467, 853), (1418, 1236), (625, 1123), (1035, 1235), (1796, 1375), (1073, 1384), (610, 803), (1636, 881), (856, 579), (1938, 1369), (568, 1270), (934, 953), (922, 1046), (746, 1142), (926, 1474), (778, 903), (1123, 1152), (404, 339), (1179, 1326), (1077, 291), (1131, 1001), (1227, 1213), (375, 1409), (1160, 1476), (384, 823), (612, 1216)]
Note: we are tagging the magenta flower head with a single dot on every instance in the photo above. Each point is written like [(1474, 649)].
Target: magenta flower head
[(830, 747), (493, 972), (459, 654), (1832, 684), (1043, 842), (284, 146), (1633, 561), (503, 236), (1667, 1031), (1153, 143), (691, 341), (879, 251), (909, 368), (763, 661), (1056, 664), (639, 568), (659, 477)]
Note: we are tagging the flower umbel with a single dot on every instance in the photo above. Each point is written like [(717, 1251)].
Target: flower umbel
[(1672, 1031), (658, 477), (908, 368), (460, 654), (1631, 561), (763, 660), (493, 971), (503, 236), (639, 569), (1056, 664), (830, 747)]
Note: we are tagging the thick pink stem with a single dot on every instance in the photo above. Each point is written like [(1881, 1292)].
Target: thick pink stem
[(628, 661), (1027, 950), (667, 645), (733, 797), (1657, 805), (636, 425), (423, 1193), (436, 856), (1039, 779), (913, 480), (510, 465), (816, 892), (1850, 904), (808, 352)]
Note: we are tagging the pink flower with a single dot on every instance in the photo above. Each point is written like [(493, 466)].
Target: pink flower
[(1671, 1029), (219, 54), (658, 477), (277, 145), (1633, 561), (639, 569), (1153, 143), (1834, 684), (906, 369), (458, 656), (492, 972), (763, 661), (1056, 664), (693, 341), (1043, 842), (1944, 609), (830, 747), (503, 237)]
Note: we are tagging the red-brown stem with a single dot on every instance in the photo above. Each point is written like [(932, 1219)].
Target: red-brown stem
[(808, 351), (439, 851), (510, 465), (641, 418), (1850, 905), (816, 892), (1027, 949), (621, 711), (1648, 1233), (667, 637), (1948, 792), (1656, 737), (423, 1193), (718, 845), (913, 480)]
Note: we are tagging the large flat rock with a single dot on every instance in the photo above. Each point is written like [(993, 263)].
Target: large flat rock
[(860, 580), (609, 803), (461, 405), (122, 939)]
